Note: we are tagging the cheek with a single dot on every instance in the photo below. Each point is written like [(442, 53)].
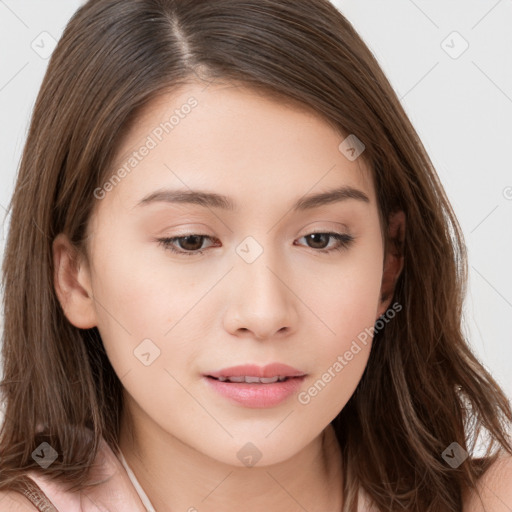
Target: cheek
[(138, 285), (143, 306), (346, 296), (342, 355), (347, 302), (326, 393)]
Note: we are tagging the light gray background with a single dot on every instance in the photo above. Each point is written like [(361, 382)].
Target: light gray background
[(461, 106)]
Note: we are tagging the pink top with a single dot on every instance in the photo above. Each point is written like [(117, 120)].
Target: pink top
[(122, 492)]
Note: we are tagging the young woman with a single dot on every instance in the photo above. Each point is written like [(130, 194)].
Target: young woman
[(233, 280)]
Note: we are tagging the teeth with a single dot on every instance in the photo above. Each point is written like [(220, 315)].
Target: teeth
[(251, 380), (236, 379), (268, 380)]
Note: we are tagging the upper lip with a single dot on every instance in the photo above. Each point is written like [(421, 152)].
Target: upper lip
[(251, 370)]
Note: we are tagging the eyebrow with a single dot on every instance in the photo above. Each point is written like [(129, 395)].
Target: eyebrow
[(214, 200)]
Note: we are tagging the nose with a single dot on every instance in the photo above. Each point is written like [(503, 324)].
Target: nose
[(262, 303)]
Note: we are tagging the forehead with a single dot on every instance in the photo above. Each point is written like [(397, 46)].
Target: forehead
[(230, 138)]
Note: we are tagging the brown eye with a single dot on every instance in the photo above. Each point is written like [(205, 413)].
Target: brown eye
[(188, 245), (191, 242), (320, 241), (316, 239)]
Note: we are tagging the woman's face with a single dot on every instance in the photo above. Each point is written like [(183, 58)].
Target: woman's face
[(259, 288)]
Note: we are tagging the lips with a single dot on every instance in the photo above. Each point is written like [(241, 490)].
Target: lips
[(253, 374), (256, 386)]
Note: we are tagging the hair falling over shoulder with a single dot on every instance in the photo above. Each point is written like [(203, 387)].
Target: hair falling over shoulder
[(423, 388)]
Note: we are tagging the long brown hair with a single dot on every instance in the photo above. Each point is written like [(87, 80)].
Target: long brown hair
[(422, 389)]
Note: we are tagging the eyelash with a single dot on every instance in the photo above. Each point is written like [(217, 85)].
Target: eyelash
[(344, 239)]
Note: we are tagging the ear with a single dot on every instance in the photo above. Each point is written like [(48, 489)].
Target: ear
[(72, 283), (393, 260)]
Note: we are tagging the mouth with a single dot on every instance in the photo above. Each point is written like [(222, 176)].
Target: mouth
[(249, 379), (255, 392), (256, 386)]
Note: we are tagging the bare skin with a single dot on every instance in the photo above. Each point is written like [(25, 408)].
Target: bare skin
[(293, 304)]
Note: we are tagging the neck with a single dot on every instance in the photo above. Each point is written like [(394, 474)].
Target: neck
[(175, 476)]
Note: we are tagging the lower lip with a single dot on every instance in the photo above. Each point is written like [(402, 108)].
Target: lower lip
[(257, 395)]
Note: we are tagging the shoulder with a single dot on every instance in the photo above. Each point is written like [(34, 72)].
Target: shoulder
[(495, 488), (12, 501)]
